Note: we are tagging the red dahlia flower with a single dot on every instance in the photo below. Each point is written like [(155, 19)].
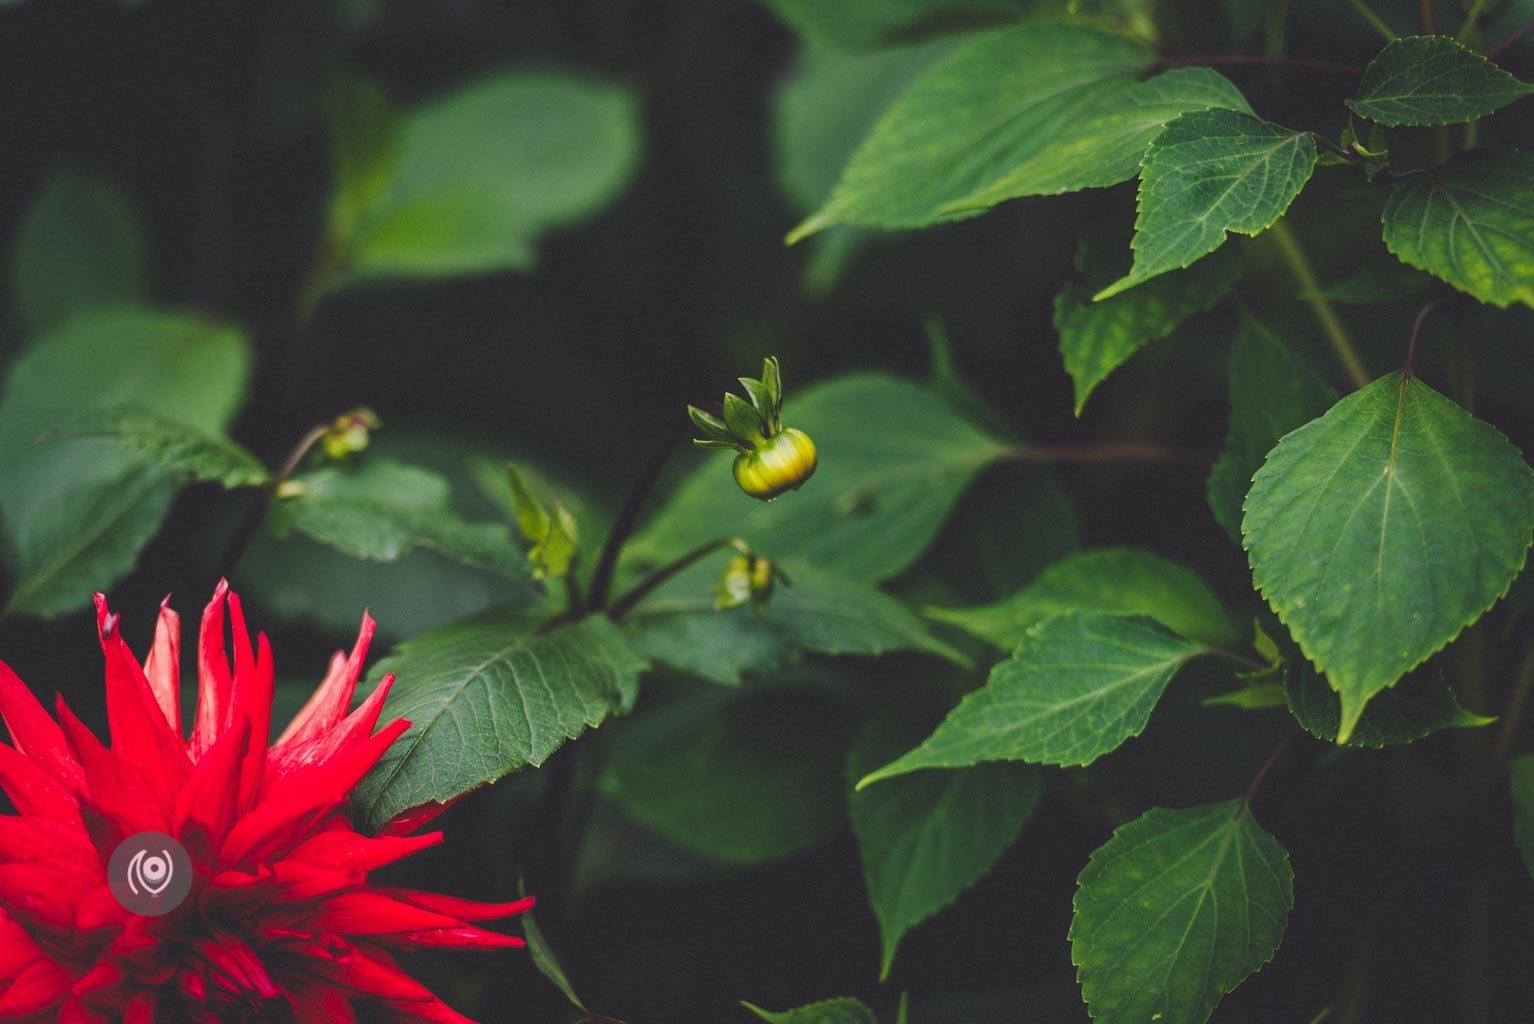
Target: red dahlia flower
[(281, 923)]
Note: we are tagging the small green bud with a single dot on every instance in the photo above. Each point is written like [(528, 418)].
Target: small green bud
[(771, 458), (747, 579), (349, 433)]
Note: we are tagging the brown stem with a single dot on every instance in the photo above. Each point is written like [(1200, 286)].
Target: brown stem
[(1428, 17), (1518, 35), (628, 517), (1416, 332), (1267, 766)]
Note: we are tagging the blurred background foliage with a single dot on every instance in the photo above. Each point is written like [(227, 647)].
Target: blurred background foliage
[(536, 230)]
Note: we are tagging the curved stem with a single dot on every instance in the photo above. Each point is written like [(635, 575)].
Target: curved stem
[(628, 518), (625, 604), (1523, 684), (246, 531), (1267, 766), (1326, 316), (1416, 332), (1518, 35)]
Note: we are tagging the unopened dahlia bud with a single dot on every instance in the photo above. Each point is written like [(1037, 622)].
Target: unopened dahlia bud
[(771, 458)]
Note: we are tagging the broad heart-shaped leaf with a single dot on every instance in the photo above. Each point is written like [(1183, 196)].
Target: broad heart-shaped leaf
[(481, 173), (1036, 110), (1425, 80), (1417, 706), (1471, 223), (1209, 172), (1175, 911), (384, 510), (734, 777), (1382, 529), (79, 249), (1077, 687), (171, 445), (821, 612), (490, 696), (1096, 338), (878, 499), (925, 839), (1521, 776), (1118, 581), (1271, 393), (842, 1010), (169, 363)]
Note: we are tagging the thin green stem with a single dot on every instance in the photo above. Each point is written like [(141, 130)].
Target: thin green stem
[(262, 500), (625, 604), (628, 517), (1374, 20), (1523, 685), (1472, 21), (1336, 334)]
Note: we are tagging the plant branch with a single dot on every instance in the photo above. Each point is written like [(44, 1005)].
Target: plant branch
[(1299, 264), (628, 517), (1427, 17), (1374, 20), (1518, 35), (1522, 686), (625, 604), (246, 531), (1264, 61), (1267, 766), (1416, 332)]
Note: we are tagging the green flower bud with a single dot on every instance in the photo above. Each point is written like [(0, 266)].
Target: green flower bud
[(772, 458), (747, 579)]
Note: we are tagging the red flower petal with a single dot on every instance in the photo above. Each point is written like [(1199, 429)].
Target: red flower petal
[(163, 665), (35, 734), (334, 696)]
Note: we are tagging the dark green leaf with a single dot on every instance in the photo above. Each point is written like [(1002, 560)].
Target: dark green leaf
[(365, 145), (170, 364), (736, 778), (924, 840), (1417, 706), (1175, 911), (489, 696), (384, 510), (483, 172), (79, 249), (1426, 80), (1097, 337), (1382, 529), (1036, 110), (1271, 393), (878, 499), (1471, 223), (543, 958), (171, 445), (1209, 172), (830, 1011), (1076, 688), (1118, 581)]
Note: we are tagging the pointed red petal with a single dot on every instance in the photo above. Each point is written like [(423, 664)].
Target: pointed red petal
[(213, 678), (413, 818), (291, 805), (464, 936), (253, 702), (334, 696), (163, 666), (351, 730), (114, 787), (35, 989), (464, 910), (210, 797), (141, 735), (36, 793), (33, 731), (40, 839)]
